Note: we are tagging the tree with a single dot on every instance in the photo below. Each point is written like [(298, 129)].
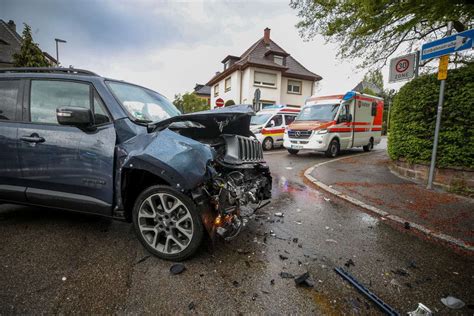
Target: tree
[(189, 102), (30, 54), (375, 29), (229, 103)]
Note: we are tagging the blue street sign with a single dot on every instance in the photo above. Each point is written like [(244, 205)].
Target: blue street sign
[(448, 45)]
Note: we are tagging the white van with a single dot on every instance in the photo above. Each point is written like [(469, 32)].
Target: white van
[(333, 123), (269, 124)]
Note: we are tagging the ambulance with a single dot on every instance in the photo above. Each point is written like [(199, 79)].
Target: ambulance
[(333, 123), (269, 124)]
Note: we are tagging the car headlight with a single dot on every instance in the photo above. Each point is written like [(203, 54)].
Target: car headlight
[(322, 131)]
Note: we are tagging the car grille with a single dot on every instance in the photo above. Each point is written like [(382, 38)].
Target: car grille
[(249, 149), (299, 134)]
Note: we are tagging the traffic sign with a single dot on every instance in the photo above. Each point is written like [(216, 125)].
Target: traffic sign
[(448, 45), (443, 67), (219, 102), (402, 68)]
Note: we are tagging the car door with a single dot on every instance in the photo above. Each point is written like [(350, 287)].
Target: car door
[(275, 129), (66, 166), (10, 113), (344, 122)]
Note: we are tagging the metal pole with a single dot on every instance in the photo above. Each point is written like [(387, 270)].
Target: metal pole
[(57, 53), (438, 123), (417, 63)]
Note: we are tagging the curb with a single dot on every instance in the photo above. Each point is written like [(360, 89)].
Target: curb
[(440, 236)]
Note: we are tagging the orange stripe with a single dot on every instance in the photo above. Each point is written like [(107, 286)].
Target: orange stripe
[(275, 131)]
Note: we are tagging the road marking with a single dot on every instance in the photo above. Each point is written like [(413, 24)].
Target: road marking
[(446, 238)]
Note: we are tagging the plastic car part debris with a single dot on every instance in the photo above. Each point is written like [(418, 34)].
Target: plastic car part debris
[(387, 309), (349, 263), (177, 268), (452, 302), (304, 280), (286, 275), (279, 214), (421, 310)]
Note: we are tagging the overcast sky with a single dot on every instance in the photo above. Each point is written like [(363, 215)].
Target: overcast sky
[(169, 46)]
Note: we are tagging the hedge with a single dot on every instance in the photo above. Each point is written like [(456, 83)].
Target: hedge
[(413, 119)]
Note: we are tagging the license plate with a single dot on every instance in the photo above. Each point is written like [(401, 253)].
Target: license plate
[(296, 146)]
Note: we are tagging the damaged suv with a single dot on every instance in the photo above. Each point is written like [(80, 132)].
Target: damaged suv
[(72, 140)]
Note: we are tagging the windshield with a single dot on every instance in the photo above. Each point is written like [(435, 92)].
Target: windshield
[(143, 105), (318, 112), (260, 119)]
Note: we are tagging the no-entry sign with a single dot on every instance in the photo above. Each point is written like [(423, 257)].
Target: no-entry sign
[(402, 68), (219, 102)]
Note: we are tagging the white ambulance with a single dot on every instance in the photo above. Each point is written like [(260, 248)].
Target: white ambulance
[(269, 124), (337, 122)]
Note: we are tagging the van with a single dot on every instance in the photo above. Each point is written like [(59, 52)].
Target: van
[(269, 124), (333, 123)]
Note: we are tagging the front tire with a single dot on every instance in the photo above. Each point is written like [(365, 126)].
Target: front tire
[(293, 151), (167, 223), (333, 149), (267, 143)]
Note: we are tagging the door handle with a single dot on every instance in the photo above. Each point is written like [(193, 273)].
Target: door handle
[(33, 138)]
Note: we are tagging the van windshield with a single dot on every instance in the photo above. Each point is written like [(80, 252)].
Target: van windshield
[(318, 112), (260, 119), (144, 105)]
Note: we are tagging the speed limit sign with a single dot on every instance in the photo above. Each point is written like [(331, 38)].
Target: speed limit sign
[(402, 68)]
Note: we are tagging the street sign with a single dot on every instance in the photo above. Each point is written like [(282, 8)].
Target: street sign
[(443, 67), (448, 45), (219, 102), (402, 68)]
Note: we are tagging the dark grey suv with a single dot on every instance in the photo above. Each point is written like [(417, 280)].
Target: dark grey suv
[(72, 140)]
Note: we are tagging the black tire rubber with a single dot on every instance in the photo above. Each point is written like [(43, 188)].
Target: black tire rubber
[(330, 152), (369, 146), (293, 151), (198, 228), (271, 141)]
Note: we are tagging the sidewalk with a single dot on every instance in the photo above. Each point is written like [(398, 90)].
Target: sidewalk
[(366, 181)]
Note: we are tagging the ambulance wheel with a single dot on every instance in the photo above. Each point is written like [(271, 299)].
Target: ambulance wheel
[(369, 146), (333, 149), (267, 143), (293, 151)]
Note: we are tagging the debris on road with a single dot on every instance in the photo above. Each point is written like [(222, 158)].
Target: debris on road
[(331, 240), (235, 283), (295, 240), (64, 279), (304, 280), (327, 199), (407, 225), (191, 306), (272, 281), (177, 268), (143, 259), (452, 302), (298, 222), (396, 284), (421, 310), (282, 257), (279, 214), (289, 168), (254, 296), (412, 264), (272, 233), (361, 288), (349, 263), (401, 272), (286, 275)]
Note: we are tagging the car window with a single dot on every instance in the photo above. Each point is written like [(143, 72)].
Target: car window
[(289, 119), (8, 99), (278, 119), (100, 113), (48, 95)]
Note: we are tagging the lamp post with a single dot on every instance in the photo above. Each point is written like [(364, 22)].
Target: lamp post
[(58, 40)]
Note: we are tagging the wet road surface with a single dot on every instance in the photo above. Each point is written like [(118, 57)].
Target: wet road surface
[(58, 262)]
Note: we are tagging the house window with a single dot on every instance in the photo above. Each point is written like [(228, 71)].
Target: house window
[(278, 60), (294, 86), (265, 79), (226, 64), (216, 90), (227, 84)]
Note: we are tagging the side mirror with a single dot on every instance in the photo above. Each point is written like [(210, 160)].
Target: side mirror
[(74, 116)]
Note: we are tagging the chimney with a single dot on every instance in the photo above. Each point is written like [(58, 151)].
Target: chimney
[(266, 36), (12, 25)]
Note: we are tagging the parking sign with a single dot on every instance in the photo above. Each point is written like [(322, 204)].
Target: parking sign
[(402, 68)]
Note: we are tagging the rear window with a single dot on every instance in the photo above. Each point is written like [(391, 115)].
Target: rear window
[(8, 99)]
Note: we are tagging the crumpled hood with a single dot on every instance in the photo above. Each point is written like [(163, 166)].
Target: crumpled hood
[(233, 119), (309, 125)]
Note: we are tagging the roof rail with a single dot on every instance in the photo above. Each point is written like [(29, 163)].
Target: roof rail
[(48, 70)]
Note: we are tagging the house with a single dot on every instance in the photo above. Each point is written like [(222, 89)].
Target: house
[(266, 66), (203, 91), (10, 43)]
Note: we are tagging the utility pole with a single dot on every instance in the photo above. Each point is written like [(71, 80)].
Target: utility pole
[(438, 119), (58, 40)]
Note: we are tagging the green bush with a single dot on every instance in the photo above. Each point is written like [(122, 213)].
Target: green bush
[(413, 120)]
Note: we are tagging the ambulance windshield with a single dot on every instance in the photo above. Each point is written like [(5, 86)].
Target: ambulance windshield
[(260, 119), (318, 112)]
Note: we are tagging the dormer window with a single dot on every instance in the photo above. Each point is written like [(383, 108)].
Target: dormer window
[(278, 60), (227, 64)]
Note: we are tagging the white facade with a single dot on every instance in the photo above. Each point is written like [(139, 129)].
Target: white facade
[(243, 87)]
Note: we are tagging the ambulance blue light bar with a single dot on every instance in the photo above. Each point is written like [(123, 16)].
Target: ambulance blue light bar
[(349, 95)]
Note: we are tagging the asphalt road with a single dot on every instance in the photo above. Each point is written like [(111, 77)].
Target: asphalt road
[(58, 262)]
